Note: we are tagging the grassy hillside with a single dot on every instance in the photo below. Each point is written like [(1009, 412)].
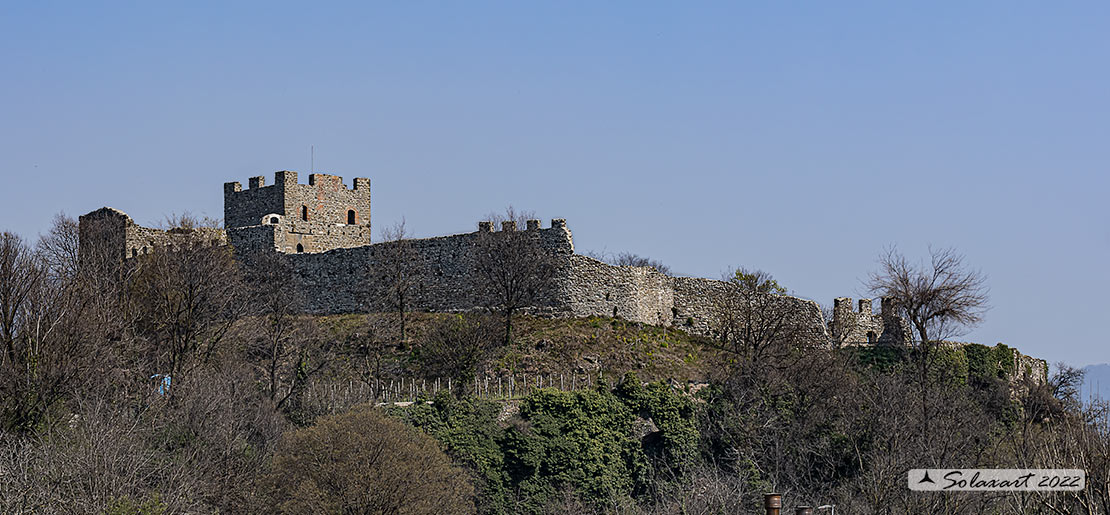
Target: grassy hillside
[(540, 346), (611, 347)]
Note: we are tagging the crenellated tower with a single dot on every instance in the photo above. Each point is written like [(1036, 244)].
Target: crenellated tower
[(864, 327), (297, 218)]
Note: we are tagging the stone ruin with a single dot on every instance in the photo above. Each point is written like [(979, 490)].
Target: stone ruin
[(863, 327)]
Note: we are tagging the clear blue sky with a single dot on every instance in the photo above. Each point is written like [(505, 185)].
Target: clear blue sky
[(796, 138)]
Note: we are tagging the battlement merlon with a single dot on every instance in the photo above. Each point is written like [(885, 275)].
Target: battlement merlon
[(557, 238), (324, 201), (560, 235), (287, 178), (844, 305), (865, 326), (887, 309)]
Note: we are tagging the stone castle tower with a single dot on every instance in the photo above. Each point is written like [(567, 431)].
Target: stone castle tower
[(296, 218)]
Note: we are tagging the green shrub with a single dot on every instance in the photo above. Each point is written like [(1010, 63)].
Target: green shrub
[(581, 439), (673, 414), (580, 444), (949, 364), (470, 434), (988, 364), (981, 364), (881, 358), (1006, 358)]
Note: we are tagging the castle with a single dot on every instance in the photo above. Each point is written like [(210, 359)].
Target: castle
[(323, 229)]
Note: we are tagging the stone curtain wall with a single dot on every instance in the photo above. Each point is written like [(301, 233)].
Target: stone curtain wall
[(638, 293), (352, 280), (697, 301), (332, 282)]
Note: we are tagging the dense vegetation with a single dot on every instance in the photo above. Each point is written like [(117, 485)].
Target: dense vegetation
[(269, 411)]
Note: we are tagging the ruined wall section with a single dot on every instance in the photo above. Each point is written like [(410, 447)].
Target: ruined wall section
[(112, 230), (643, 294), (695, 303), (315, 217), (862, 327), (698, 301), (638, 293), (1028, 368), (144, 240), (103, 231)]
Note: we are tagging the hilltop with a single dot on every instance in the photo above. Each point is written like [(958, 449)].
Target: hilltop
[(555, 349), (189, 379)]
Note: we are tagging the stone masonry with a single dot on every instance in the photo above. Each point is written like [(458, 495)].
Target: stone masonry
[(120, 232), (316, 217), (323, 229), (866, 328)]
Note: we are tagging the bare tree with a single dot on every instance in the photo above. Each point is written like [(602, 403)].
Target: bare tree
[(115, 450), (939, 298), (751, 318), (285, 341), (59, 248), (188, 296), (399, 269), (367, 349), (512, 268), (36, 330), (630, 259), (21, 272), (51, 337), (456, 347), (1058, 430)]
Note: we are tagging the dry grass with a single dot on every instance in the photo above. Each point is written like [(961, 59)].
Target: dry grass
[(546, 346)]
